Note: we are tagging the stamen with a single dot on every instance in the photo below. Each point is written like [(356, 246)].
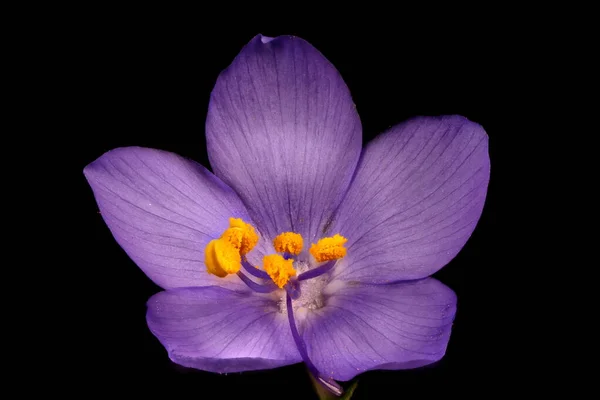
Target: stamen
[(329, 248), (293, 289), (257, 287), (221, 258), (279, 269), (328, 383), (254, 271), (241, 235), (288, 242), (315, 272)]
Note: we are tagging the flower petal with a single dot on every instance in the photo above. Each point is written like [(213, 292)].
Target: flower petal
[(219, 330), (283, 132), (163, 209), (417, 196), (397, 326)]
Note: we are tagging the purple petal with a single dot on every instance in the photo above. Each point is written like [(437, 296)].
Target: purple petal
[(163, 209), (416, 198), (219, 330), (283, 132), (363, 327)]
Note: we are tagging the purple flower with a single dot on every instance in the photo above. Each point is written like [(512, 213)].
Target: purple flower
[(302, 247)]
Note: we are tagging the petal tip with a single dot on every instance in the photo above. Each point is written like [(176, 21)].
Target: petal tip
[(90, 171), (466, 123), (463, 124), (152, 301), (277, 41), (117, 152), (265, 39)]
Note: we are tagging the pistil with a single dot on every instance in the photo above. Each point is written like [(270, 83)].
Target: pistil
[(328, 383)]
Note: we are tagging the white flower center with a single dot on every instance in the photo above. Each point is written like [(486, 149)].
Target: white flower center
[(311, 291)]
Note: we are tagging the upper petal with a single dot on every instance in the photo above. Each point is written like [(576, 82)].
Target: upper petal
[(418, 193), (163, 209), (219, 330), (283, 132), (397, 326)]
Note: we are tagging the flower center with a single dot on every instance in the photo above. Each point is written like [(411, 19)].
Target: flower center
[(227, 254), (311, 291), (304, 281)]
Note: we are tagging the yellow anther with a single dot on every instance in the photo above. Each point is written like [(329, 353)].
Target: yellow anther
[(329, 248), (222, 258), (241, 235), (288, 242), (279, 269)]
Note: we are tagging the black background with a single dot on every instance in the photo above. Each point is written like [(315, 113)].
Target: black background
[(147, 83)]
